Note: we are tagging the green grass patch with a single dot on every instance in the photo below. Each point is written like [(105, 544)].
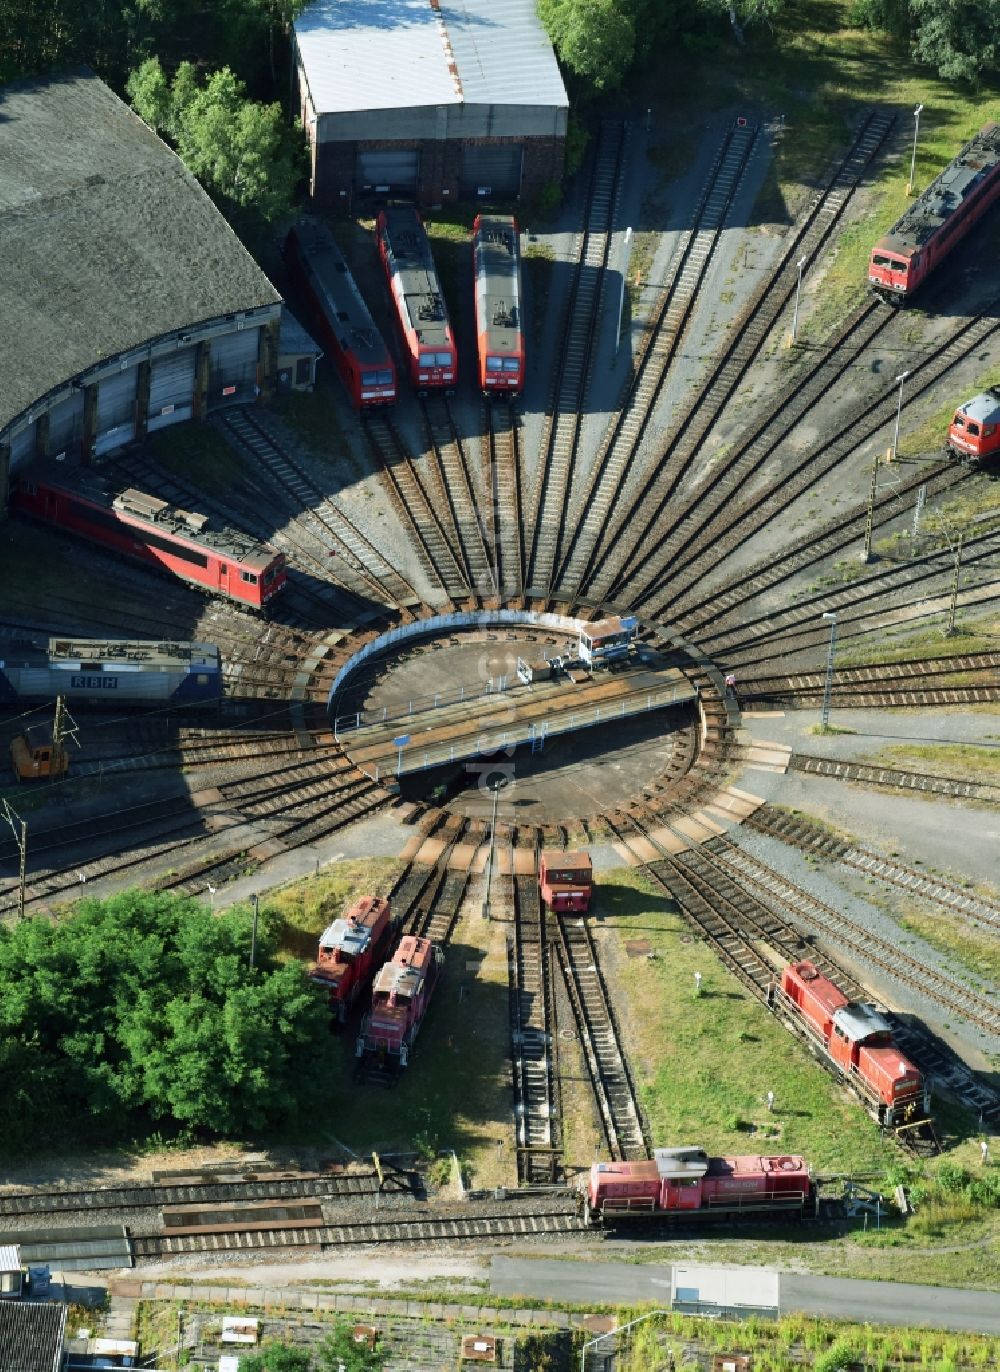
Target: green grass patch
[(966, 761), (307, 907), (956, 935), (198, 453), (977, 634), (316, 418), (705, 1063)]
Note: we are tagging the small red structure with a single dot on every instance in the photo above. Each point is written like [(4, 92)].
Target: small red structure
[(858, 1041), (686, 1181), (974, 435), (400, 997), (565, 881), (148, 530), (938, 220), (350, 949)]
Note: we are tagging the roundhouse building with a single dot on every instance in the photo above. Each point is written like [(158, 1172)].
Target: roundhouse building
[(128, 302), (437, 100)]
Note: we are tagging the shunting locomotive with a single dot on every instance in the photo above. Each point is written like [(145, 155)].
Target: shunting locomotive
[(974, 435), (857, 1040), (565, 881), (417, 298), (400, 997), (356, 347), (938, 219), (686, 1183), (224, 561), (496, 261), (350, 950)]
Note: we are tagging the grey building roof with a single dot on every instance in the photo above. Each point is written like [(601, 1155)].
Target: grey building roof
[(31, 1336), (398, 54), (107, 240)]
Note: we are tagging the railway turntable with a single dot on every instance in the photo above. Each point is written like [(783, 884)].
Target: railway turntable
[(450, 728)]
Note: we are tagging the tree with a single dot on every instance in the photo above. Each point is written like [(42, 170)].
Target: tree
[(339, 1350), (960, 38), (241, 151), (594, 38), (743, 12), (277, 1357), (142, 1010)]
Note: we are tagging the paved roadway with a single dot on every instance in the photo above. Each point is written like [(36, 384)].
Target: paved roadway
[(937, 1307)]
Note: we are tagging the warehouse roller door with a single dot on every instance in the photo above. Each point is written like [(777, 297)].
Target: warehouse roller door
[(171, 388), (116, 410), (492, 173), (233, 368), (395, 170), (66, 424), (22, 446)]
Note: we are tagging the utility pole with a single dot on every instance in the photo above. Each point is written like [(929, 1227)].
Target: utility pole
[(798, 291), (954, 588), (831, 616), (913, 159), (253, 931), (621, 298), (64, 729), (20, 832), (866, 555), (918, 509), (499, 783)]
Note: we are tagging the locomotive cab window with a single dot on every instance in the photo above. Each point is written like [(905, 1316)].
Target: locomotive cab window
[(511, 364), (959, 420), (384, 378), (249, 577), (369, 378), (494, 364), (427, 359), (973, 428), (443, 359)]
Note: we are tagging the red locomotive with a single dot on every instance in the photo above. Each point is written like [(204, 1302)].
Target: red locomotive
[(858, 1040), (497, 269), (565, 881), (223, 561), (400, 997), (686, 1183), (417, 299), (938, 219), (974, 435), (357, 348), (349, 951)]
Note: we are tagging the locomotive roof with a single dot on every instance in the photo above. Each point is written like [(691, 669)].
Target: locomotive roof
[(414, 266), (108, 240), (979, 157), (343, 302), (69, 653), (681, 1162), (193, 528), (984, 408), (352, 932), (567, 862), (498, 280), (859, 1021), (404, 975)]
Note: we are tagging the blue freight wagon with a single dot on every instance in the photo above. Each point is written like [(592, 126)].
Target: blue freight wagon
[(110, 672)]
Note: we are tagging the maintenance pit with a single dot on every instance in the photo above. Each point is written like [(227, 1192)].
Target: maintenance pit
[(443, 719)]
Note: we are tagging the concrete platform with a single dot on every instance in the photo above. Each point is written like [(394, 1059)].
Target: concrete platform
[(523, 715)]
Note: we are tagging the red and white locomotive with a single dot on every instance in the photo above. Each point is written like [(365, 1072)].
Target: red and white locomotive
[(858, 1041), (938, 219), (344, 322), (350, 949), (496, 260), (417, 298), (223, 561), (685, 1183), (565, 881), (974, 435), (400, 997)]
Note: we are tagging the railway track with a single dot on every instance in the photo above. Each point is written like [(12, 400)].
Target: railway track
[(52, 1201), (428, 1229), (688, 269), (533, 1036), (908, 677), (603, 1051), (459, 493), (378, 576), (571, 372), (415, 506), (820, 843), (630, 529), (895, 778), (505, 495), (735, 520)]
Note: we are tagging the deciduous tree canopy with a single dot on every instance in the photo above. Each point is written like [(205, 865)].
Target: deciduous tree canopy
[(141, 1010)]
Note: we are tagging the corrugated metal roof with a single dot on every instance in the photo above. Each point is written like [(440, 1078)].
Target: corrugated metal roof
[(10, 1257), (398, 54), (31, 1336)]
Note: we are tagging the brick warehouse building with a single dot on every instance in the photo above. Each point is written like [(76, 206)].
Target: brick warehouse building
[(438, 100)]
